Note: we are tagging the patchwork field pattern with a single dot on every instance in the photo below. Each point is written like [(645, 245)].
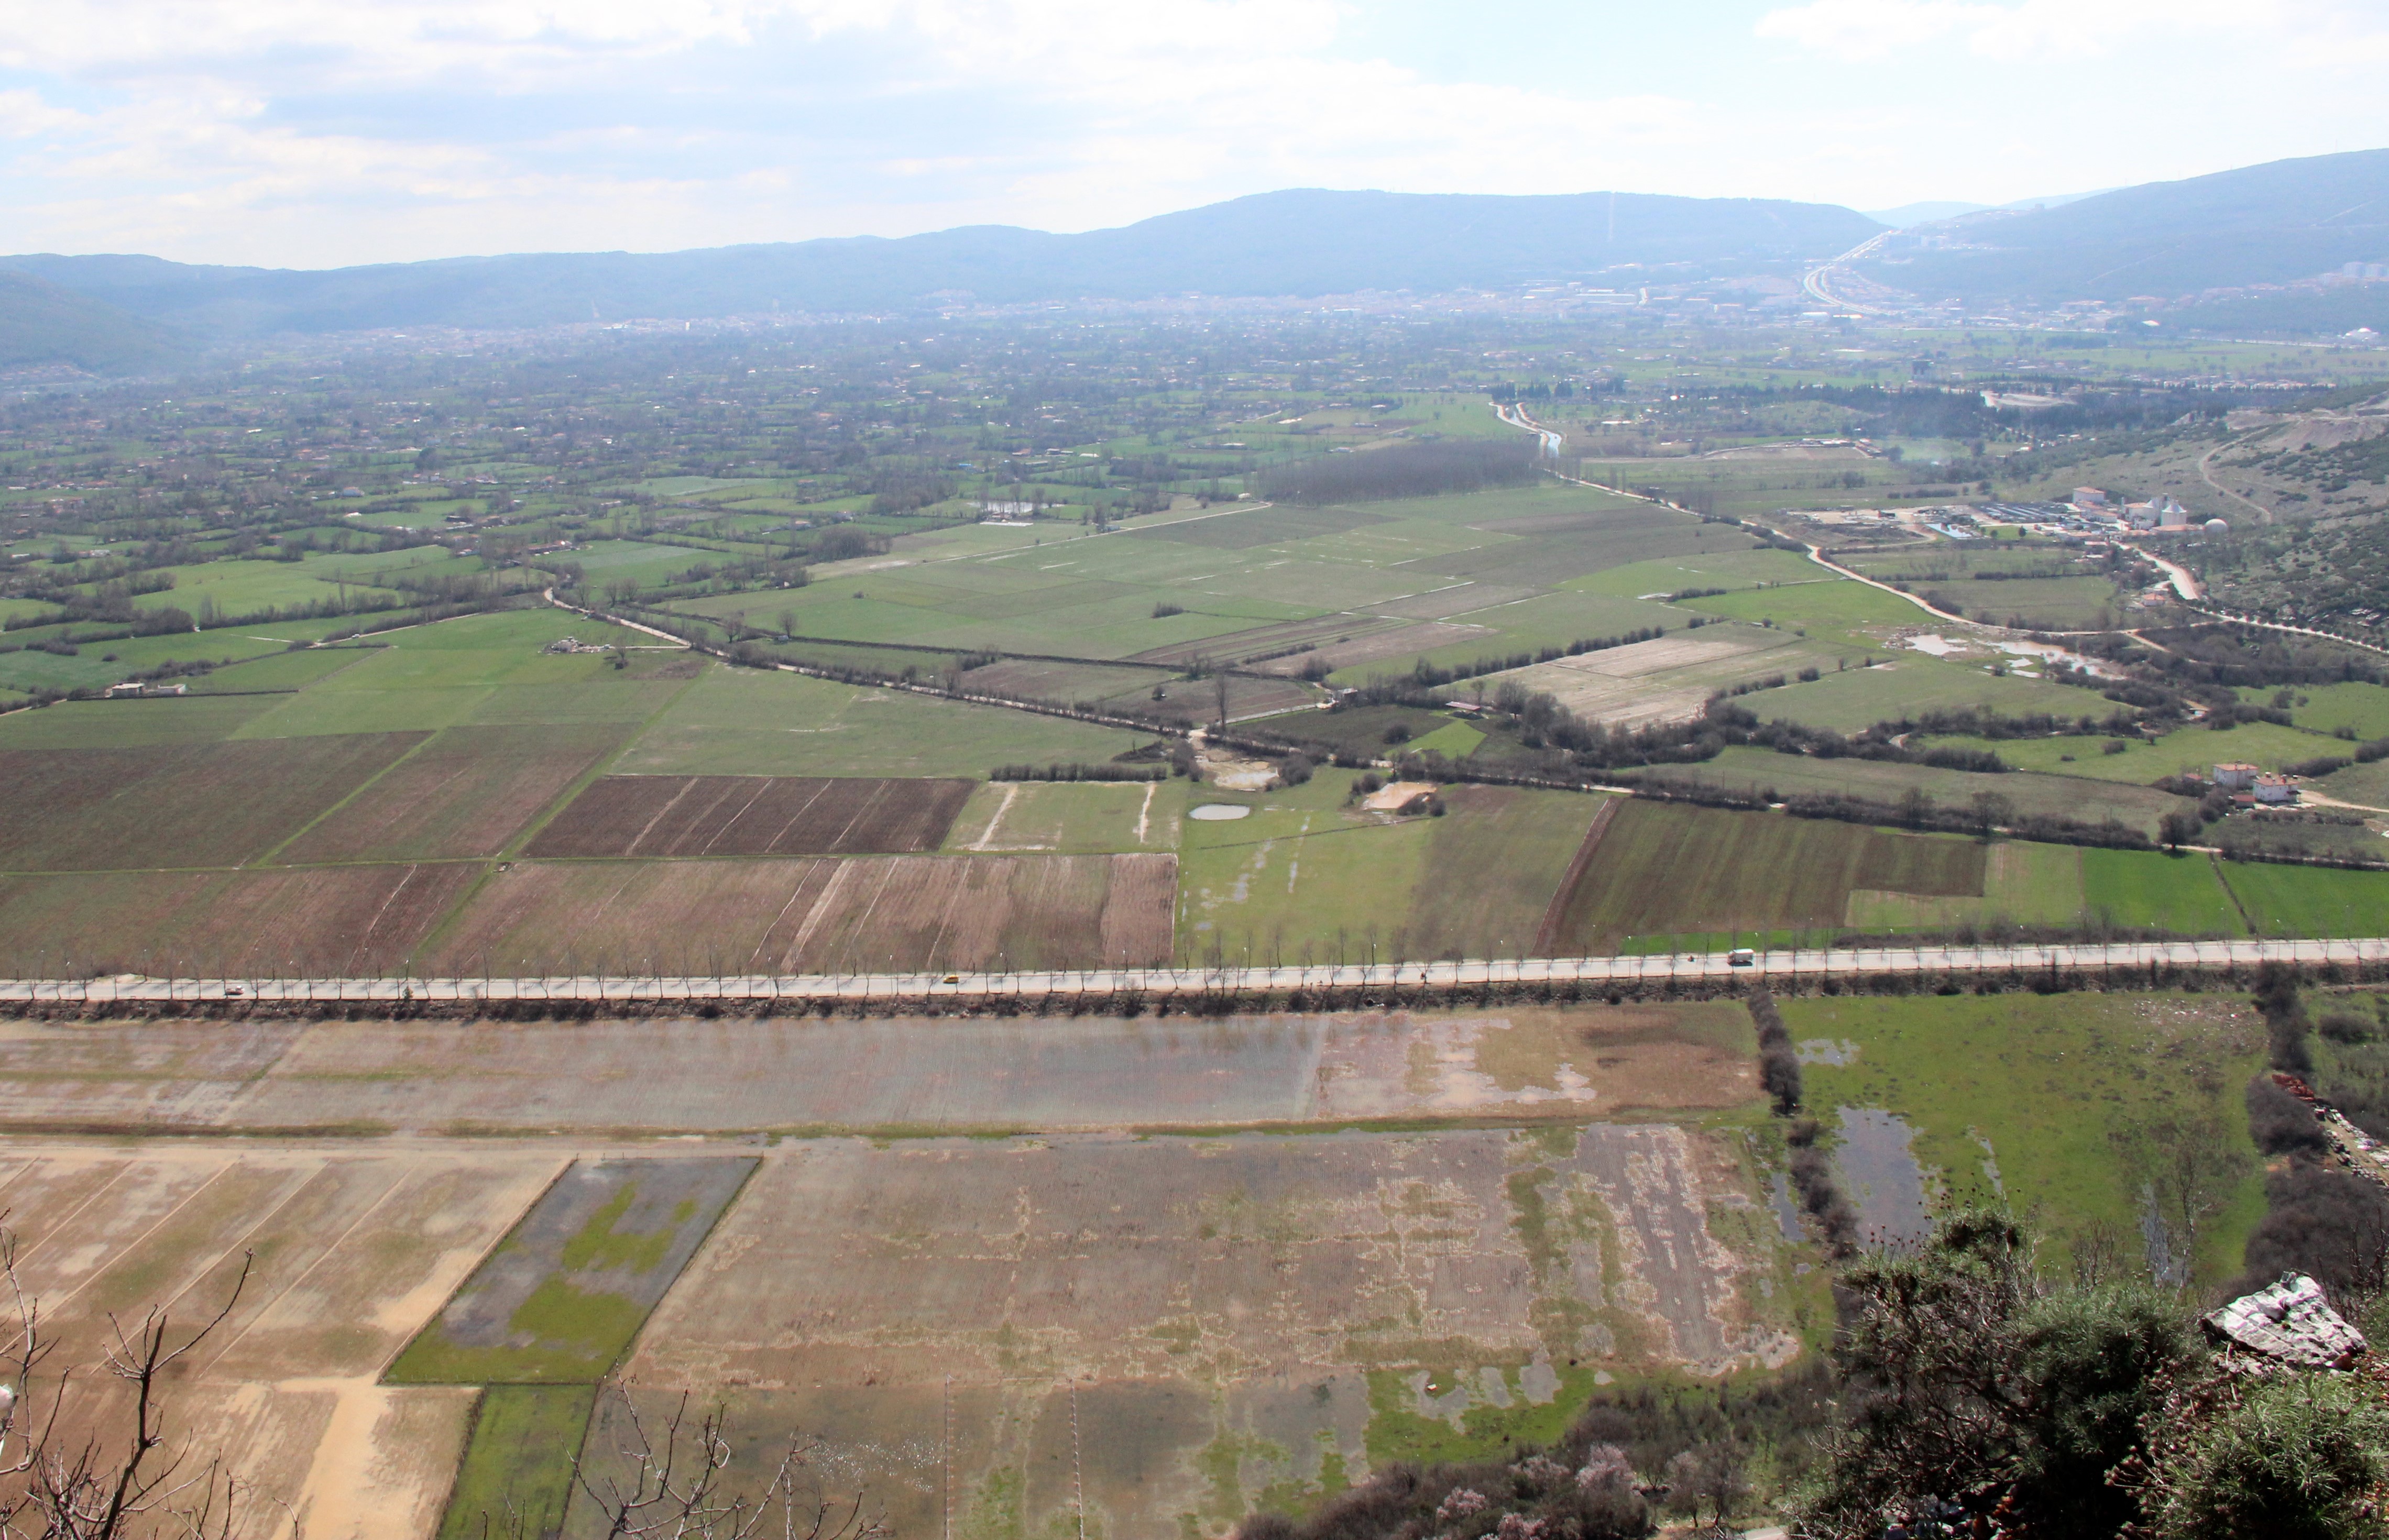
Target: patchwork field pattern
[(353, 1253), (753, 815), (465, 793), (898, 913)]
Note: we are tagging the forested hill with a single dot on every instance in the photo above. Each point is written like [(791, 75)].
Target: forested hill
[(43, 325), (2272, 223), (1298, 243)]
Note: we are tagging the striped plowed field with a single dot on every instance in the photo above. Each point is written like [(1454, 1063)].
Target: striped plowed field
[(334, 921), (866, 914), (753, 815), (465, 793), (1664, 867), (178, 804)]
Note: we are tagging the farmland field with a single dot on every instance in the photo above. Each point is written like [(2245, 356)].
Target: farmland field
[(857, 915), (332, 921), (732, 815), (560, 1299), (467, 791), (213, 805), (1664, 871), (2028, 794), (2309, 900)]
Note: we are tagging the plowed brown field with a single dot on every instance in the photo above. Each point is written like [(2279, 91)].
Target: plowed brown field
[(176, 805), (753, 815), (465, 793), (328, 920), (865, 914)]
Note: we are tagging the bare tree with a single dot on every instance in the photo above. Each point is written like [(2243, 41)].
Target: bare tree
[(2187, 1164), (118, 1477), (681, 1488)]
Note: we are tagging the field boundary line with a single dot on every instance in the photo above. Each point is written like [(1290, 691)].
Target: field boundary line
[(1547, 933), (512, 850), (359, 790), (371, 1209), (2214, 858)]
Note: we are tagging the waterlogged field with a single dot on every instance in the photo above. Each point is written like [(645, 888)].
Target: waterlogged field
[(2043, 1104)]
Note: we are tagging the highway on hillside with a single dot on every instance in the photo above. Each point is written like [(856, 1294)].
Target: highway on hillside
[(1791, 967)]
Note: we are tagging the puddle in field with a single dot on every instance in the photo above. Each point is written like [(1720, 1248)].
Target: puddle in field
[(1787, 1211), (1825, 1051), (1218, 813), (1879, 1173)]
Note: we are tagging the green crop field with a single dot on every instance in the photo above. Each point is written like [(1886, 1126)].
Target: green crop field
[(739, 721), (2029, 795), (2355, 706), (2190, 750), (1300, 879), (519, 1460), (1838, 610), (2023, 1100), (1907, 684), (2310, 900), (2143, 889)]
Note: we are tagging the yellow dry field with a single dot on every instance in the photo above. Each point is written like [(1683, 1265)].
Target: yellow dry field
[(1668, 679), (349, 1254)]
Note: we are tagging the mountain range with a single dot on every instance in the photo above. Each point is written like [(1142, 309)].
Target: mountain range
[(2269, 223)]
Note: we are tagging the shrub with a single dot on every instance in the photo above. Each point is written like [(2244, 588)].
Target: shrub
[(2280, 1123), (2290, 1457)]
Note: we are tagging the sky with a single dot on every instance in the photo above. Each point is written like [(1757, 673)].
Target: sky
[(314, 133)]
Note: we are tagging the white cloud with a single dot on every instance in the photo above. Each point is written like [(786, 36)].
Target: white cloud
[(2013, 31), (315, 132)]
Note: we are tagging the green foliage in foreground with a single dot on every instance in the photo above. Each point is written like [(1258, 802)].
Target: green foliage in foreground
[(2288, 1459)]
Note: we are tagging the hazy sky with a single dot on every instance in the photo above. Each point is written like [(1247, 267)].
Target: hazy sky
[(315, 133)]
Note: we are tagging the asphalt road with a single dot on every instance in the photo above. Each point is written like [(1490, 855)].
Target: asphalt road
[(1796, 966)]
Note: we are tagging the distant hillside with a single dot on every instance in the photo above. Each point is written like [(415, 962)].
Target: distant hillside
[(2269, 223), (42, 324), (1298, 243)]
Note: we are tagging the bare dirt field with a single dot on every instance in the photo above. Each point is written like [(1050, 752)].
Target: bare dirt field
[(1214, 1316), (181, 805), (753, 815), (465, 793), (858, 914), (721, 1076), (354, 1251), (1659, 681), (335, 920)]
